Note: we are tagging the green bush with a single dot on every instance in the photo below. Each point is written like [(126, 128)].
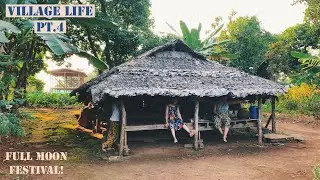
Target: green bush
[(10, 125), (291, 105), (311, 106), (53, 100), (316, 173), (34, 85)]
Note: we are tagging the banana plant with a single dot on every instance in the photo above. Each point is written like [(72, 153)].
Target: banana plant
[(311, 67), (307, 60), (205, 47), (59, 44)]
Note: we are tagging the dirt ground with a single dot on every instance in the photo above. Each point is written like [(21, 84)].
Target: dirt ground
[(240, 158)]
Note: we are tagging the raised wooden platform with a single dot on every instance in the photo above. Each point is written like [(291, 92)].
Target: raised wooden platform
[(204, 125)]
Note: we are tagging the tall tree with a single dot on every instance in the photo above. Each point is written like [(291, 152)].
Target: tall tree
[(115, 46), (296, 38), (248, 41), (312, 12)]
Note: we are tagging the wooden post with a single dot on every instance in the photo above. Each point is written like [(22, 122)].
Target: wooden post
[(96, 128), (273, 114), (268, 122), (123, 128), (196, 125), (259, 121)]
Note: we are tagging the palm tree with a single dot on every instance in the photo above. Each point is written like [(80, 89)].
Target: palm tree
[(206, 47)]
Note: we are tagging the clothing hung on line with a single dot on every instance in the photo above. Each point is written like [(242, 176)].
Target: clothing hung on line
[(174, 120)]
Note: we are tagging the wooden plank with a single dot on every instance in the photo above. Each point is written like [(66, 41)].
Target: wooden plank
[(269, 119), (149, 127), (90, 132), (123, 127), (146, 127), (96, 127), (196, 125), (232, 120), (273, 114), (259, 121), (83, 129), (162, 126), (243, 120)]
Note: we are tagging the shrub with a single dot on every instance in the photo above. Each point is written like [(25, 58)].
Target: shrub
[(291, 105), (51, 100), (312, 105), (34, 85), (10, 125), (316, 173), (302, 99), (300, 92)]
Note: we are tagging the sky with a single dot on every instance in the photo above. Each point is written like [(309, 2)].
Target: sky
[(275, 16)]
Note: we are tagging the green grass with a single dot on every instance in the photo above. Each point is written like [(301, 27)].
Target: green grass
[(316, 172)]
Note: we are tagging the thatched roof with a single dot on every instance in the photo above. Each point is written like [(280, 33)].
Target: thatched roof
[(175, 70)]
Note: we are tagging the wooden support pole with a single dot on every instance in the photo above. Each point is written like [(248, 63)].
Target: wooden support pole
[(273, 114), (196, 125), (96, 129), (268, 122), (123, 128), (259, 121)]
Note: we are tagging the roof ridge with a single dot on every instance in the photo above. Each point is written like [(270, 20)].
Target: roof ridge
[(176, 45)]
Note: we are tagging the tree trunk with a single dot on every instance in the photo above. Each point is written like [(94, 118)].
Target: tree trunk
[(107, 52), (22, 77), (24, 72)]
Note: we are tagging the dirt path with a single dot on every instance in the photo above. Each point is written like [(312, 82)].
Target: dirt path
[(237, 159), (222, 161)]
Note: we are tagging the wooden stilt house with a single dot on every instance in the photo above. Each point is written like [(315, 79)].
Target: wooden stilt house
[(145, 84)]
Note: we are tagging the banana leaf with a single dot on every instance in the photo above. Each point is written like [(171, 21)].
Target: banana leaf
[(184, 28), (6, 26), (215, 44), (172, 28), (3, 37), (59, 44), (300, 55), (209, 39), (5, 57), (229, 56), (94, 60), (6, 63)]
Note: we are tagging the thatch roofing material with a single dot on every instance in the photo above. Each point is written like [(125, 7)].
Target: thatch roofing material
[(179, 72)]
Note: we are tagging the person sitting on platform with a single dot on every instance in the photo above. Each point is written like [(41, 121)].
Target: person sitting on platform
[(113, 127), (221, 116), (174, 120)]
